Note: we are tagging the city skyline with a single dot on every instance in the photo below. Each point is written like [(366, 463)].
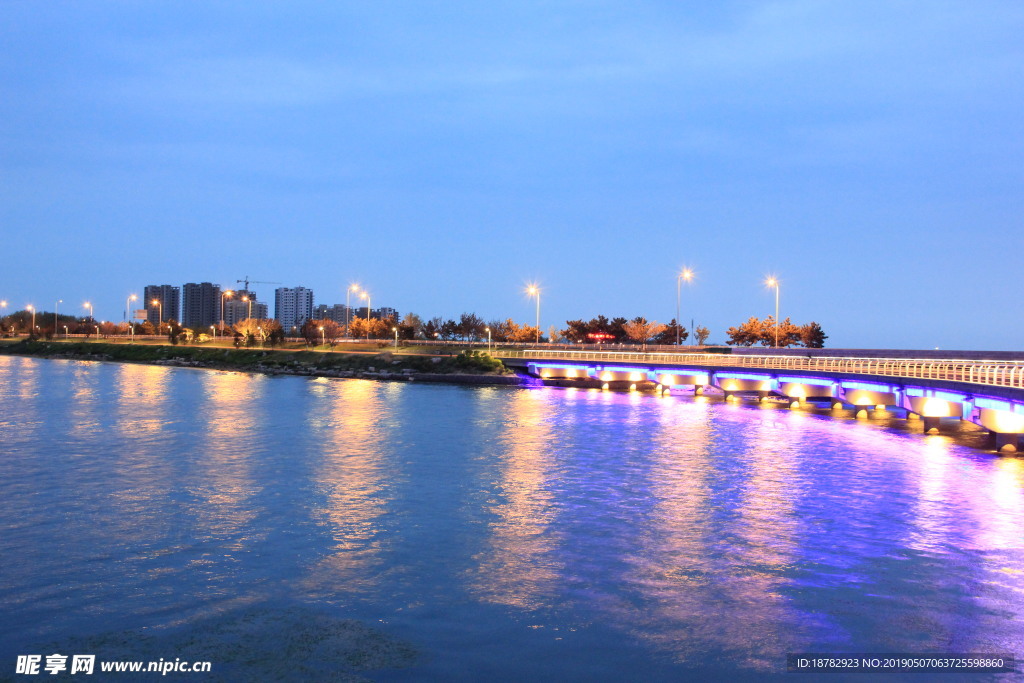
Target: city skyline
[(446, 158)]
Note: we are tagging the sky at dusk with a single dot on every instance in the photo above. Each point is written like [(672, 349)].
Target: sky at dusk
[(445, 154)]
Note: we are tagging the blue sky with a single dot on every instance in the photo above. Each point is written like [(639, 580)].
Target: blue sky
[(445, 154)]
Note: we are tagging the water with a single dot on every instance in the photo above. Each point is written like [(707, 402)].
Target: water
[(292, 528)]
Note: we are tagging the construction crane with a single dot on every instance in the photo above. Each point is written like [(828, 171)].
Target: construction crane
[(258, 282)]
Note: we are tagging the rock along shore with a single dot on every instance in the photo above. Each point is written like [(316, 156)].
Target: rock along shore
[(473, 367)]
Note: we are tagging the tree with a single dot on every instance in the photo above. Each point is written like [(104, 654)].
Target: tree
[(617, 328), (432, 328), (701, 333), (640, 331), (411, 326), (747, 334), (108, 329), (812, 336), (471, 326), (525, 334), (668, 335), (449, 330)]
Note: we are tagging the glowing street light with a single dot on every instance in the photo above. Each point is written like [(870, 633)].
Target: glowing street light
[(246, 298), (65, 331), (395, 330), (772, 281), (128, 309), (227, 294), (89, 306), (687, 275), (534, 290), (213, 328), (33, 309), (366, 295), (348, 309), (160, 319), (488, 331), (323, 336), (55, 306)]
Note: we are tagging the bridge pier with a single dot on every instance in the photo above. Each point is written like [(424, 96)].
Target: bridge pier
[(1009, 443), (931, 423)]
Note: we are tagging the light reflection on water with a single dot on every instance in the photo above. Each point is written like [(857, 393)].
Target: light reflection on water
[(501, 532), (518, 567)]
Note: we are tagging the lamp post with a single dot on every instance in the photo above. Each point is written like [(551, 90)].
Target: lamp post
[(33, 309), (687, 275), (488, 330), (774, 282), (395, 330), (128, 307), (65, 331), (97, 331), (55, 306), (533, 290), (3, 305), (366, 295), (89, 306), (323, 337), (348, 308), (160, 318), (213, 328), (224, 295), (246, 298)]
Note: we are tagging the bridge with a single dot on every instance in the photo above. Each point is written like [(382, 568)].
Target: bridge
[(989, 393)]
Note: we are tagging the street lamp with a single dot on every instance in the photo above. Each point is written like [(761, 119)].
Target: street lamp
[(55, 306), (533, 290), (323, 337), (228, 293), (687, 275), (213, 328), (160, 319), (89, 306), (348, 309), (366, 295), (65, 331), (395, 330), (774, 282), (97, 331), (128, 308), (488, 330), (246, 298), (33, 309)]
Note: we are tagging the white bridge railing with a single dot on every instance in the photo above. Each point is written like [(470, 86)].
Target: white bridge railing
[(990, 373)]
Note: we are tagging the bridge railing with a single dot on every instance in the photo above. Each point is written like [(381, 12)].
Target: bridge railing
[(990, 373)]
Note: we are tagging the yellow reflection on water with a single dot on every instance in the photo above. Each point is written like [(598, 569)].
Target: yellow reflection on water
[(346, 419), (670, 567), (141, 397), (517, 566), (223, 481)]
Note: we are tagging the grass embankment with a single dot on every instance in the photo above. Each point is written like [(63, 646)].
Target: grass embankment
[(382, 364)]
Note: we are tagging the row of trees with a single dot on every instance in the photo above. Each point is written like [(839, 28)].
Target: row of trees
[(638, 331), (469, 327), (765, 333)]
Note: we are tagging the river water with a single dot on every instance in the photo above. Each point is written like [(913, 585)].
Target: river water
[(290, 528)]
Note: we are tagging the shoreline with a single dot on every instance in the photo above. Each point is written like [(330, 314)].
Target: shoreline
[(466, 369)]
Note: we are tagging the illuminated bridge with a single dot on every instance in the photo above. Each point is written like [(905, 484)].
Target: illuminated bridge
[(989, 393)]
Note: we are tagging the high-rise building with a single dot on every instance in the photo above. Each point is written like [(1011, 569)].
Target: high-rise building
[(237, 308), (200, 305), (167, 308), (339, 313), (293, 306)]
